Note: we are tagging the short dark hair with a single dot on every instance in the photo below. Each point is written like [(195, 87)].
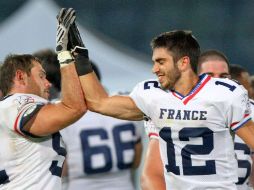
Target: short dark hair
[(212, 54), (181, 43), (236, 71), (11, 64)]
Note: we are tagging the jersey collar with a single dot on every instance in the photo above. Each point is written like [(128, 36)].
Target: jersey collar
[(203, 79)]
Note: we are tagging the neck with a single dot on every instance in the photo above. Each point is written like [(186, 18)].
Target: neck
[(18, 89), (186, 83)]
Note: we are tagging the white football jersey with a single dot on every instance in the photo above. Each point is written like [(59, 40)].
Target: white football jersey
[(195, 143), (100, 152), (27, 161), (243, 154)]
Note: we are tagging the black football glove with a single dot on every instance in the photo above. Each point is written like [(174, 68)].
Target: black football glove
[(79, 51)]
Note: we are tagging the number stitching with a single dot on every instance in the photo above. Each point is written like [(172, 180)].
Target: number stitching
[(230, 87), (154, 84), (188, 150), (88, 151), (61, 151), (243, 163)]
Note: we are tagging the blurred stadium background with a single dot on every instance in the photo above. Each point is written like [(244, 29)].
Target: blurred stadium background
[(221, 24)]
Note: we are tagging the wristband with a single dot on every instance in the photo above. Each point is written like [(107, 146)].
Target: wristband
[(83, 65), (64, 57)]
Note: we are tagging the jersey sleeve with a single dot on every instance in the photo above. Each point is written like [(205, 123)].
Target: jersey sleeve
[(239, 110), (24, 107), (142, 95)]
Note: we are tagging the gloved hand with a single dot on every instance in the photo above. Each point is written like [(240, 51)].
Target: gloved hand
[(65, 18), (79, 51), (75, 41)]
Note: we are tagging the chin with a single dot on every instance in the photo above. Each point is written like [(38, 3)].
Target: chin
[(164, 87)]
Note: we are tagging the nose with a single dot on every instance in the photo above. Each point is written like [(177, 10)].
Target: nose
[(155, 68), (48, 84)]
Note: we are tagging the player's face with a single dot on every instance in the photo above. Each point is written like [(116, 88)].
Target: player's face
[(165, 68), (37, 83), (215, 68)]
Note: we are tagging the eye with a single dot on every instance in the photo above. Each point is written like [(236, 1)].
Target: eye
[(42, 75), (161, 62), (225, 76)]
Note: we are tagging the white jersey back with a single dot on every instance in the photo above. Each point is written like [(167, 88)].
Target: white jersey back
[(27, 161), (243, 154), (195, 143), (100, 152)]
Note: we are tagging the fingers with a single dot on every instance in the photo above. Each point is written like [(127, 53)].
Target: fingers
[(68, 17), (61, 14)]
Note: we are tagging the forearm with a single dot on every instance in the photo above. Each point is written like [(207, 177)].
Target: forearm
[(246, 133), (72, 94), (94, 92), (251, 178), (97, 100), (138, 155), (152, 176)]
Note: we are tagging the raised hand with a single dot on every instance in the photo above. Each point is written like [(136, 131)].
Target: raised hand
[(65, 18), (79, 51)]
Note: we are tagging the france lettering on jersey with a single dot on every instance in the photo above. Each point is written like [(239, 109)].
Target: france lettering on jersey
[(195, 143), (243, 154), (26, 161), (100, 152)]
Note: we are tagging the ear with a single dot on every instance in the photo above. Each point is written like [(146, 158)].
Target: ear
[(184, 63), (20, 77)]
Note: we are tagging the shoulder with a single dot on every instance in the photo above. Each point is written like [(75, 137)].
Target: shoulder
[(147, 85), (20, 100), (226, 87)]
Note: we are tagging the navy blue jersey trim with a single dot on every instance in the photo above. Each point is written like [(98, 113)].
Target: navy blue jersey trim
[(26, 118)]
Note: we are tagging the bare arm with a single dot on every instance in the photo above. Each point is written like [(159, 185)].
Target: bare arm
[(246, 133), (137, 156), (54, 117), (152, 176), (251, 178), (97, 99)]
